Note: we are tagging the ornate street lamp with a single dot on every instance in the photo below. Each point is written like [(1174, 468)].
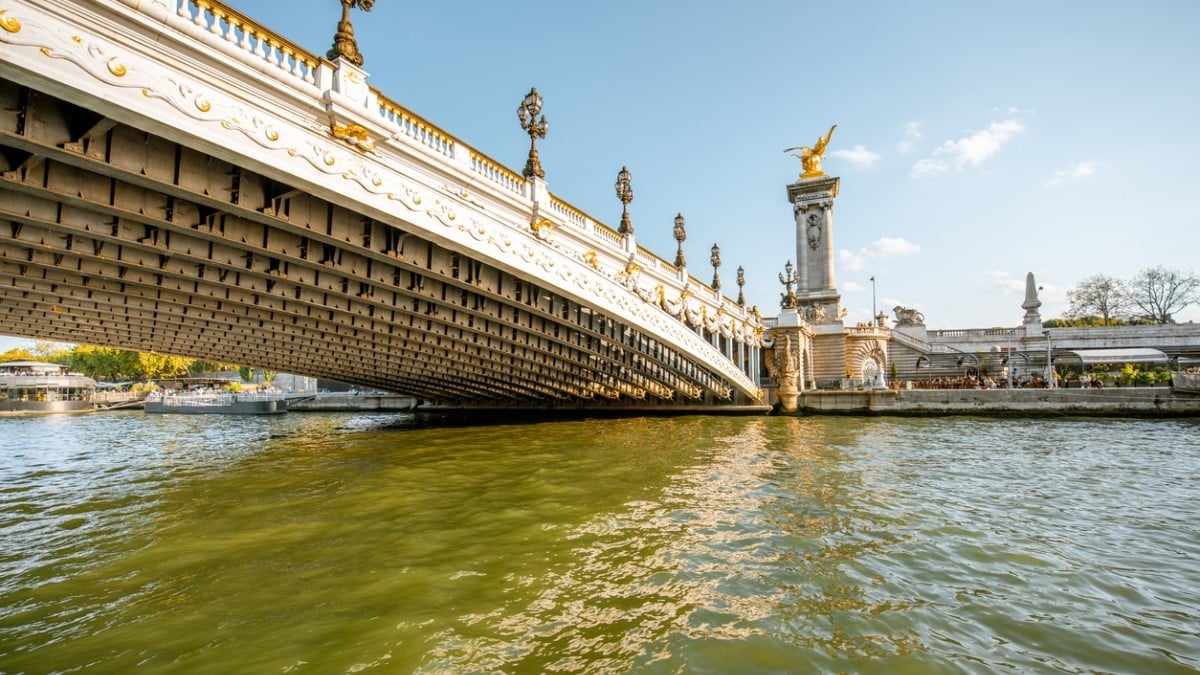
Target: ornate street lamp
[(715, 259), (528, 113), (741, 279), (344, 44), (790, 301), (680, 236), (625, 194)]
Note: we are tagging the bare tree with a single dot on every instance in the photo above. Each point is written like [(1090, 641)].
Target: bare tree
[(1160, 292), (1101, 295)]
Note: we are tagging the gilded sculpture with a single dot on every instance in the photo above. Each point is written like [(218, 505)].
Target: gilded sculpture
[(810, 158)]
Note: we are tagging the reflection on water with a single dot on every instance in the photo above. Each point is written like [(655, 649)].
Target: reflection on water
[(350, 543)]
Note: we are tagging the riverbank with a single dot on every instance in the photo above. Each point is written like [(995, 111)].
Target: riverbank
[(1109, 402)]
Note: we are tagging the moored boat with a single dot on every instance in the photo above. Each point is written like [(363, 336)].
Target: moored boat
[(215, 402), (35, 387)]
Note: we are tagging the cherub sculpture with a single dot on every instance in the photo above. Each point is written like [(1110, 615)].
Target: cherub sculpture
[(810, 158)]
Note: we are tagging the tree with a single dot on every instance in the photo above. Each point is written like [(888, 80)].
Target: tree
[(105, 363), (1160, 292), (154, 366), (1099, 294), (17, 354)]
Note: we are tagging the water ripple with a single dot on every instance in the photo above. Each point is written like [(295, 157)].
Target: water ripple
[(333, 543)]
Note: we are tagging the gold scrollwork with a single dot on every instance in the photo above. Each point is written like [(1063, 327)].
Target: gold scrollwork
[(591, 259), (202, 104), (329, 159), (116, 67), (8, 23), (541, 227)]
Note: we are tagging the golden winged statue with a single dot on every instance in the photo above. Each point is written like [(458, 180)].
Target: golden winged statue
[(810, 158)]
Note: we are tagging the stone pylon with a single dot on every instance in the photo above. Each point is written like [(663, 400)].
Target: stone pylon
[(817, 296)]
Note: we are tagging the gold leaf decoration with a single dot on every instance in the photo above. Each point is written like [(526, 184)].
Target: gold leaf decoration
[(8, 23)]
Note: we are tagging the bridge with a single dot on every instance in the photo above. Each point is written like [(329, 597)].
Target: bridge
[(177, 178)]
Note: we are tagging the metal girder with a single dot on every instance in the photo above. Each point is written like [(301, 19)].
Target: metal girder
[(131, 257)]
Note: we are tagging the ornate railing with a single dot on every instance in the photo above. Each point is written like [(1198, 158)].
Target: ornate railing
[(241, 31)]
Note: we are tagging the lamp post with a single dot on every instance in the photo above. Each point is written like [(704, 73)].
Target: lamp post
[(789, 300), (1050, 379), (873, 319), (625, 194), (715, 259), (741, 281), (528, 112), (344, 44), (680, 236)]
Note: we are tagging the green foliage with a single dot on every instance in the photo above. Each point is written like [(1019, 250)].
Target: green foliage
[(1090, 321), (53, 352), (200, 366), (17, 354), (154, 366), (1131, 376), (105, 363)]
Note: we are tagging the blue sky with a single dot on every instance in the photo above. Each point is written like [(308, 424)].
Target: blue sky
[(975, 142)]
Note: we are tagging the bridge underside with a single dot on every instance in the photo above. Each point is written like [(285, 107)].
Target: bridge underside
[(112, 236)]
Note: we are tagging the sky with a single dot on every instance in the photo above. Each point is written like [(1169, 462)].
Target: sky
[(975, 142)]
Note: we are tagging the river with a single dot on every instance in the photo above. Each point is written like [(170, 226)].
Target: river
[(331, 543)]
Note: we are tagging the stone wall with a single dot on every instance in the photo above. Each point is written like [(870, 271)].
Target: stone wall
[(1113, 401)]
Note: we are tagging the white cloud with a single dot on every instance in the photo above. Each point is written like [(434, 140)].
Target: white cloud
[(1004, 281), (1078, 172), (912, 134), (876, 250), (891, 247), (852, 287), (858, 156), (928, 167), (971, 150)]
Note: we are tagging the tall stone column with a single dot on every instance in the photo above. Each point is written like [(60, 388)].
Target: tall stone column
[(812, 205), (816, 293)]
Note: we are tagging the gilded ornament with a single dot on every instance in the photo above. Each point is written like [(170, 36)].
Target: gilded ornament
[(354, 134), (329, 159), (202, 104), (116, 67), (591, 259), (8, 23), (810, 158)]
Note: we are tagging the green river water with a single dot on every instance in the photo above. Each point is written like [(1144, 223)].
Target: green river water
[(329, 543)]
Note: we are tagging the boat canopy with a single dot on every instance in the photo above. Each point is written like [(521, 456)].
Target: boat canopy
[(1124, 355)]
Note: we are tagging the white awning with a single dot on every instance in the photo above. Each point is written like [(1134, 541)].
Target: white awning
[(1126, 355)]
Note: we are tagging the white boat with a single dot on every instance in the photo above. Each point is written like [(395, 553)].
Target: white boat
[(216, 402), (33, 387)]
